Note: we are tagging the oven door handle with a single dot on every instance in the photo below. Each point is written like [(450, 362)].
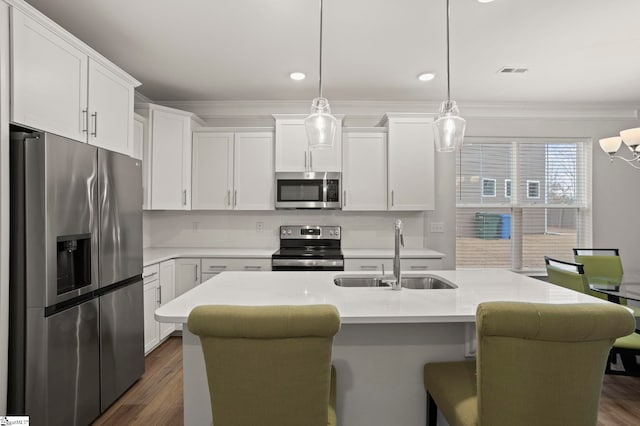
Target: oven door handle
[(302, 263)]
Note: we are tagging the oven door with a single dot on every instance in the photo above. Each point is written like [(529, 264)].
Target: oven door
[(307, 264)]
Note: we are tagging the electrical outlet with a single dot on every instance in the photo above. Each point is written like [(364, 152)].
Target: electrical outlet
[(195, 226), (259, 226), (437, 227)]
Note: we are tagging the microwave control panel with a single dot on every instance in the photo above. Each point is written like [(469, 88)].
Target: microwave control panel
[(333, 190)]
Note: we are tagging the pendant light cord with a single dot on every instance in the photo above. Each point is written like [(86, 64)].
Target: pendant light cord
[(448, 70), (320, 73)]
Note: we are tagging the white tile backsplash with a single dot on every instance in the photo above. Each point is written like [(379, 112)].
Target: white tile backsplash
[(239, 228)]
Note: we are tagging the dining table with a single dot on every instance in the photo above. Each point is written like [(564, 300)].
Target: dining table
[(629, 290)]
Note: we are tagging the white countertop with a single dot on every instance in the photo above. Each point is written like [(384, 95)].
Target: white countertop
[(153, 255), (370, 305)]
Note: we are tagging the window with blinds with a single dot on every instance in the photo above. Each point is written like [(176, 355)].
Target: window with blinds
[(519, 200)]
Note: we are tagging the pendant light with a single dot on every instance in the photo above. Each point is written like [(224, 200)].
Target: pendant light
[(448, 129), (320, 125)]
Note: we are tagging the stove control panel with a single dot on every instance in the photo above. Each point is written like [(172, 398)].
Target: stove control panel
[(310, 232)]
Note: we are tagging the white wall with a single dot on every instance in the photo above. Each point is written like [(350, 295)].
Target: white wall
[(238, 229)]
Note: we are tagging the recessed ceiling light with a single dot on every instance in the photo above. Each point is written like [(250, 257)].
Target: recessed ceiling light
[(426, 76), (297, 76), (485, 1)]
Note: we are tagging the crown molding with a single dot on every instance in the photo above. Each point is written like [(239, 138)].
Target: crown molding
[(377, 109)]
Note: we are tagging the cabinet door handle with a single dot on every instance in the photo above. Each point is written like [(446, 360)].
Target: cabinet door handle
[(368, 267), (85, 121), (195, 278), (150, 275), (218, 267), (228, 197), (305, 161), (184, 197), (392, 200), (344, 198), (310, 160), (252, 268), (235, 197), (419, 267), (95, 124), (160, 299)]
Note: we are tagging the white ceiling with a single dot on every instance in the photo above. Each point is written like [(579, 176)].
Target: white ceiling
[(577, 51)]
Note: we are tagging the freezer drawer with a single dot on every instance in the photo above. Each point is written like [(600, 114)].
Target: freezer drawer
[(121, 341)]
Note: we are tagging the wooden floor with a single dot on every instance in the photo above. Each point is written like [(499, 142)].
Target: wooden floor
[(156, 399)]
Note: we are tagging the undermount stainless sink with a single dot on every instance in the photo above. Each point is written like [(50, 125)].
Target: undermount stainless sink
[(426, 282), (421, 282), (360, 281)]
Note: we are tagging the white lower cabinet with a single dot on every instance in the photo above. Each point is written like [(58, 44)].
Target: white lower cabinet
[(406, 264), (187, 274), (159, 284), (151, 297), (213, 266), (167, 293)]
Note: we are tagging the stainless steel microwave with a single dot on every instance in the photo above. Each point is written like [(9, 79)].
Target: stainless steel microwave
[(308, 190)]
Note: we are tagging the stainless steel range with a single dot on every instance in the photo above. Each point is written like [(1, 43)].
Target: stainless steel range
[(309, 248)]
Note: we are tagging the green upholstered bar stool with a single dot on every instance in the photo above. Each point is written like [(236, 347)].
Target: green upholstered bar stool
[(572, 275), (537, 364), (268, 365)]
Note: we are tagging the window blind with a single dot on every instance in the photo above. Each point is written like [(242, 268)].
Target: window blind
[(519, 200)]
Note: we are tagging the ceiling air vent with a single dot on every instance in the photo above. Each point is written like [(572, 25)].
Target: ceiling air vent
[(513, 70)]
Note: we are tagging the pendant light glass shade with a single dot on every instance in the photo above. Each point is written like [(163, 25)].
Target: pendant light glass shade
[(448, 129), (320, 125)]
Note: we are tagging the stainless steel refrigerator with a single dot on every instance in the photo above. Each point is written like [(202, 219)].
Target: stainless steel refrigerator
[(76, 318)]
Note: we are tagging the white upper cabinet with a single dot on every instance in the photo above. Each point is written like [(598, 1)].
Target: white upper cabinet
[(62, 86), (292, 149), (233, 169), (170, 156), (212, 171), (410, 162), (364, 176), (49, 79), (110, 110), (253, 172)]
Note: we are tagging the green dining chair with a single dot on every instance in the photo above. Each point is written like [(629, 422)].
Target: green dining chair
[(536, 364), (602, 266), (268, 365), (571, 275)]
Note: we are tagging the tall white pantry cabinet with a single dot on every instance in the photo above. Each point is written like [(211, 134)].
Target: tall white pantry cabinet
[(62, 86)]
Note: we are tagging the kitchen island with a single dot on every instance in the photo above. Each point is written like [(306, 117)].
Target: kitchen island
[(385, 339)]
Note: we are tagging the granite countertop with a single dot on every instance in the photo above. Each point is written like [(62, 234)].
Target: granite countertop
[(153, 255), (366, 305)]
